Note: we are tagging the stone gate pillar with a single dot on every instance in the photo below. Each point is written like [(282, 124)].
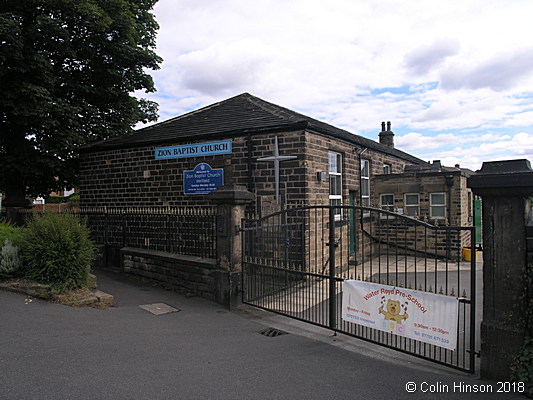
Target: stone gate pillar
[(13, 204), (505, 188), (231, 201)]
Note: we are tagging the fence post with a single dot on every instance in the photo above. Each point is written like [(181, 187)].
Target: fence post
[(231, 201), (505, 188)]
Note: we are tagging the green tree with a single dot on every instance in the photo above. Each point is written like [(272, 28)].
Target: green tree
[(68, 69)]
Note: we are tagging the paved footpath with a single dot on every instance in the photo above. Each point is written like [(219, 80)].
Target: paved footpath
[(50, 351)]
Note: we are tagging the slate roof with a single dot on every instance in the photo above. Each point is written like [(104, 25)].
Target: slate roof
[(236, 116)]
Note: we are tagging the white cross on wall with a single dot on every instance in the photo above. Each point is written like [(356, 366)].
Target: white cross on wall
[(277, 159)]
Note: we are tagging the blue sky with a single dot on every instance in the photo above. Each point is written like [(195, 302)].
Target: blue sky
[(454, 77)]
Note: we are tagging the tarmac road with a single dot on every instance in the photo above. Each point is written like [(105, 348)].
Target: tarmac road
[(50, 351)]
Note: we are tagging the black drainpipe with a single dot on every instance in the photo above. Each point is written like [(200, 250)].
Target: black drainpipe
[(449, 184), (250, 164)]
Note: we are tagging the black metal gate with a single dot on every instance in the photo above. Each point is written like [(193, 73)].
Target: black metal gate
[(296, 261)]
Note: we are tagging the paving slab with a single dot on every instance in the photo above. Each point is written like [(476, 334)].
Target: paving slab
[(159, 308)]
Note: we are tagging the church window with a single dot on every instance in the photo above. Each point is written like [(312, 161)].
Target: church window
[(335, 182)]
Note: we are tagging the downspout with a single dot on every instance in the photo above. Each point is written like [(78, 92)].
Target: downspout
[(253, 208), (250, 164), (449, 184)]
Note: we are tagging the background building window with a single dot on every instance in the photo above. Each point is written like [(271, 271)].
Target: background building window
[(365, 183), (387, 169), (386, 201), (437, 205), (412, 204), (335, 182)]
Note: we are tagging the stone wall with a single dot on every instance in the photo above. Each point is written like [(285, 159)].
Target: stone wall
[(316, 159), (458, 210), (260, 179), (132, 177), (191, 274)]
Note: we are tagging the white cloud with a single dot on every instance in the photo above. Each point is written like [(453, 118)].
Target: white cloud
[(218, 69), (521, 119), (443, 70), (501, 72), (422, 59), (470, 150), (417, 141)]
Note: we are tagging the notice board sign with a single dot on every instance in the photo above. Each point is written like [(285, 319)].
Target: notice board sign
[(427, 317), (202, 179)]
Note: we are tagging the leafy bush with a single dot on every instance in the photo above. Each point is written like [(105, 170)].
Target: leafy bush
[(74, 200), (55, 200), (522, 368), (10, 261), (57, 251), (11, 232)]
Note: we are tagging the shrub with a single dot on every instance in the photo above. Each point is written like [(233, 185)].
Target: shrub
[(11, 232), (74, 200), (522, 367), (55, 200), (10, 261), (57, 251)]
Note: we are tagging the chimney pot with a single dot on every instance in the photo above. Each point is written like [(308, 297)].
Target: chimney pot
[(386, 137)]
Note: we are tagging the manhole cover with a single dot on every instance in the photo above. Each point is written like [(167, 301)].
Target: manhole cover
[(159, 308), (272, 332)]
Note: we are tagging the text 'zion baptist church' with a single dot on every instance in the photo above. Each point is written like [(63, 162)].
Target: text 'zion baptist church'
[(190, 150)]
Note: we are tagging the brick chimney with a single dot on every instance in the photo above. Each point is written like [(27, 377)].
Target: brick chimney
[(386, 137)]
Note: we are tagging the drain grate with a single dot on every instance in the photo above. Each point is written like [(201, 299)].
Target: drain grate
[(272, 332)]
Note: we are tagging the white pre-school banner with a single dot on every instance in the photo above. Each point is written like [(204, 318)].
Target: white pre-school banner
[(430, 318)]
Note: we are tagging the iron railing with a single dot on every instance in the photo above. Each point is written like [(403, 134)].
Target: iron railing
[(296, 261), (179, 230)]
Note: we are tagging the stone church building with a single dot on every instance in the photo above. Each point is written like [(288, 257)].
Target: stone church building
[(283, 157)]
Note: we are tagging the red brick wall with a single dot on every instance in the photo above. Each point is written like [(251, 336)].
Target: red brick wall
[(51, 207)]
